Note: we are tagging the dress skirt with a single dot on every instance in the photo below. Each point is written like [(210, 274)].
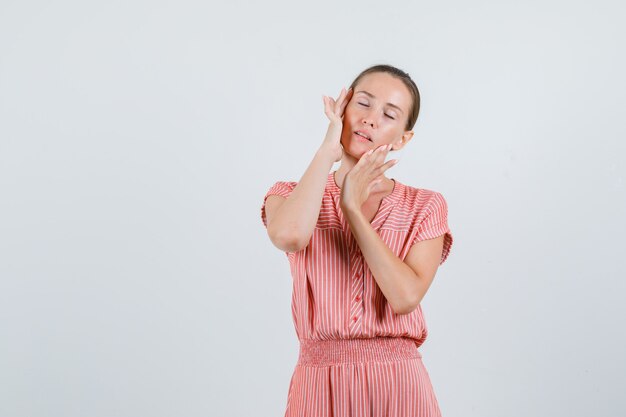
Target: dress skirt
[(362, 377)]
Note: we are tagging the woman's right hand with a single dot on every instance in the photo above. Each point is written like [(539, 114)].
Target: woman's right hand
[(334, 111)]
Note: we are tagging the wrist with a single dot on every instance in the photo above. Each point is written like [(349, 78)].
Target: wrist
[(334, 130), (325, 154), (349, 209)]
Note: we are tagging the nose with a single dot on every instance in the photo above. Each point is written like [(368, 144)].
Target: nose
[(368, 117), (368, 120)]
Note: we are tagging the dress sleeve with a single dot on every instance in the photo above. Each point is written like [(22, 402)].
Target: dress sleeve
[(282, 188), (434, 224)]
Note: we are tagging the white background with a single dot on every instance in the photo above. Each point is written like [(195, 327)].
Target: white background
[(137, 140)]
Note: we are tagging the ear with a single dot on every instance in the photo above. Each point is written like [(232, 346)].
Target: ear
[(404, 139)]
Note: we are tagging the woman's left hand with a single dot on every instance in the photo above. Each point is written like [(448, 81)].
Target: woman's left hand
[(360, 181)]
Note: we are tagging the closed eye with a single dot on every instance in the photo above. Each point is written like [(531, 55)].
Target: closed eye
[(365, 105)]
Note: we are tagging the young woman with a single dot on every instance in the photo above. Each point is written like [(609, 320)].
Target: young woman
[(363, 250)]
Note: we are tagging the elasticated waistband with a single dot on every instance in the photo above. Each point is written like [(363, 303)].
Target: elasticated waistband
[(339, 351)]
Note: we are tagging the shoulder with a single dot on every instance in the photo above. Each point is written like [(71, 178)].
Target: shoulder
[(422, 199), (282, 188), (279, 188), (290, 184)]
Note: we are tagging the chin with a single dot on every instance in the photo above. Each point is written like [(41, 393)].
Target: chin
[(357, 150)]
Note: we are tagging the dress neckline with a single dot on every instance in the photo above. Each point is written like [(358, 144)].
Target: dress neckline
[(392, 195), (386, 204)]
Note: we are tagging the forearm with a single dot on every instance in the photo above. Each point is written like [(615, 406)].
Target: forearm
[(397, 281), (297, 216)]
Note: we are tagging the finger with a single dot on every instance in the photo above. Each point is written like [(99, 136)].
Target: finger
[(384, 167), (372, 162), (327, 107), (373, 184), (346, 99), (341, 93), (339, 101), (327, 101), (365, 158), (381, 153), (339, 97), (377, 159), (381, 147), (377, 181), (330, 106)]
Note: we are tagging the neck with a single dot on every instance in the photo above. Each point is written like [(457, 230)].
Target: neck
[(385, 187)]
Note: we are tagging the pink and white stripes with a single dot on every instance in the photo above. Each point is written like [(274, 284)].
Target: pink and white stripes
[(372, 377), (357, 357)]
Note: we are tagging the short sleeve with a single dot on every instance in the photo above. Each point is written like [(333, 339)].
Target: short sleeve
[(281, 188), (434, 224)]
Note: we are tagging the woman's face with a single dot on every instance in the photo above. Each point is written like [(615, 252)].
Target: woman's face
[(379, 107)]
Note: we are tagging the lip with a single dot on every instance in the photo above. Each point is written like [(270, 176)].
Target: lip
[(365, 132)]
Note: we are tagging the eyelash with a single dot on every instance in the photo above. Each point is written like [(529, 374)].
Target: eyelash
[(385, 113)]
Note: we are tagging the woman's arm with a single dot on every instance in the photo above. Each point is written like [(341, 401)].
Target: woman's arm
[(403, 284), (291, 220)]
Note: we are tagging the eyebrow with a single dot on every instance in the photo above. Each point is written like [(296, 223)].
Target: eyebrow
[(372, 96)]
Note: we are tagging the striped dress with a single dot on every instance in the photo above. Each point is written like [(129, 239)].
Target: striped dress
[(357, 357)]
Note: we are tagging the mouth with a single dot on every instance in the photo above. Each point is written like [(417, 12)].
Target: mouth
[(362, 136)]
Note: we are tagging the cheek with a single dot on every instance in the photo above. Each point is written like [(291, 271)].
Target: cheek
[(391, 131), (349, 113), (354, 109)]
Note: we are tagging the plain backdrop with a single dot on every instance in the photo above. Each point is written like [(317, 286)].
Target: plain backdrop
[(138, 138)]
